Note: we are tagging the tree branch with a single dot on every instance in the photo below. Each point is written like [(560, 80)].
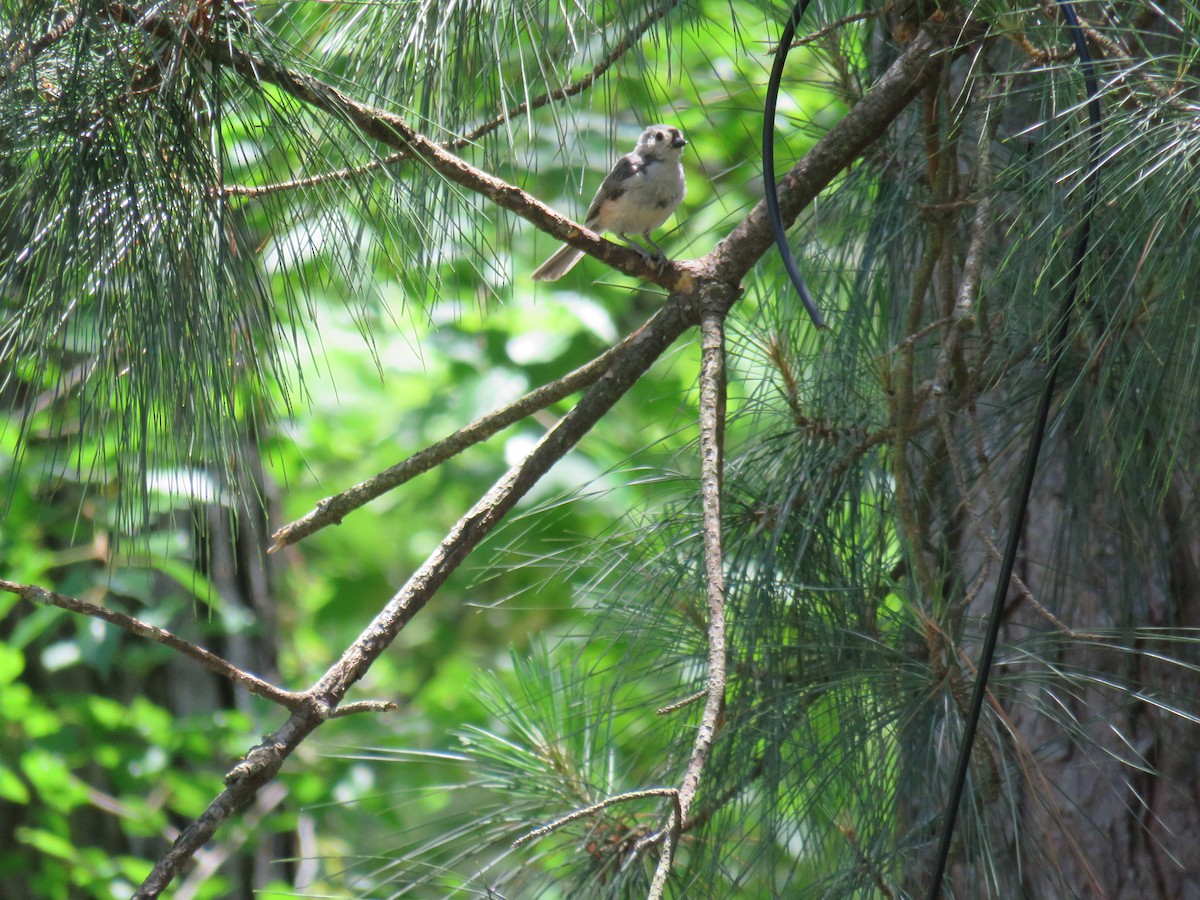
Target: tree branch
[(242, 783), (712, 454), (920, 62), (264, 762), (392, 131), (255, 685), (578, 86), (332, 510), (25, 53), (837, 24), (594, 808)]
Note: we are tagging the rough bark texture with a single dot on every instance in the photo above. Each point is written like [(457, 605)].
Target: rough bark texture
[(1101, 785), (1132, 803)]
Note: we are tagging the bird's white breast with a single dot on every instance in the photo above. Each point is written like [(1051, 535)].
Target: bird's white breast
[(648, 201)]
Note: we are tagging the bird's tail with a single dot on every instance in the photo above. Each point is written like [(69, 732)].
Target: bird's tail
[(558, 265)]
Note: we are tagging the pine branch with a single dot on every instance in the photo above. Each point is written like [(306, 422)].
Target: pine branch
[(712, 456), (26, 53), (838, 24), (392, 131), (265, 760), (578, 86), (291, 700), (332, 510), (584, 812), (255, 685)]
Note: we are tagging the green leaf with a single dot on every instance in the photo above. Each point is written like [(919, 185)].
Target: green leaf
[(11, 786)]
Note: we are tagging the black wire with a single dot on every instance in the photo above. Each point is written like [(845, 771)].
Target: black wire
[(1035, 445), (768, 161)]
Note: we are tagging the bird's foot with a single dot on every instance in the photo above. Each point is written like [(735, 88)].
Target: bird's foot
[(653, 255), (656, 252)]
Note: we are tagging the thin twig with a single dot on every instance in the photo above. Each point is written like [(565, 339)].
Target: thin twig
[(362, 706), (332, 510), (962, 315), (289, 699), (592, 810), (576, 87), (841, 23), (680, 704), (908, 343), (712, 456), (905, 408), (670, 831)]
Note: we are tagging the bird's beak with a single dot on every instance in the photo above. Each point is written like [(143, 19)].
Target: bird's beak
[(678, 141)]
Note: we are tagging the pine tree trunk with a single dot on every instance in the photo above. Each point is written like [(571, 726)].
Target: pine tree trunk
[(1119, 818)]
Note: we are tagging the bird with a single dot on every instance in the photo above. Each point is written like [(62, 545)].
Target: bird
[(637, 196)]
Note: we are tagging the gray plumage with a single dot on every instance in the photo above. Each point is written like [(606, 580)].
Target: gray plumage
[(638, 195)]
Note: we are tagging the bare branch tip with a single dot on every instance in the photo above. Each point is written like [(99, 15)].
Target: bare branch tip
[(680, 704), (363, 706)]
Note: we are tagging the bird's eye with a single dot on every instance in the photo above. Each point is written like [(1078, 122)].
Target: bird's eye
[(658, 135)]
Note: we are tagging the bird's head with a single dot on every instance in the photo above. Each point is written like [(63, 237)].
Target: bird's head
[(661, 142)]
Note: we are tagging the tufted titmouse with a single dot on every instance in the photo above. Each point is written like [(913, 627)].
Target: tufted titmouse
[(637, 196)]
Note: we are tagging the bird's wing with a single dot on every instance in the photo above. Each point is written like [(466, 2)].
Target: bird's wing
[(613, 185)]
